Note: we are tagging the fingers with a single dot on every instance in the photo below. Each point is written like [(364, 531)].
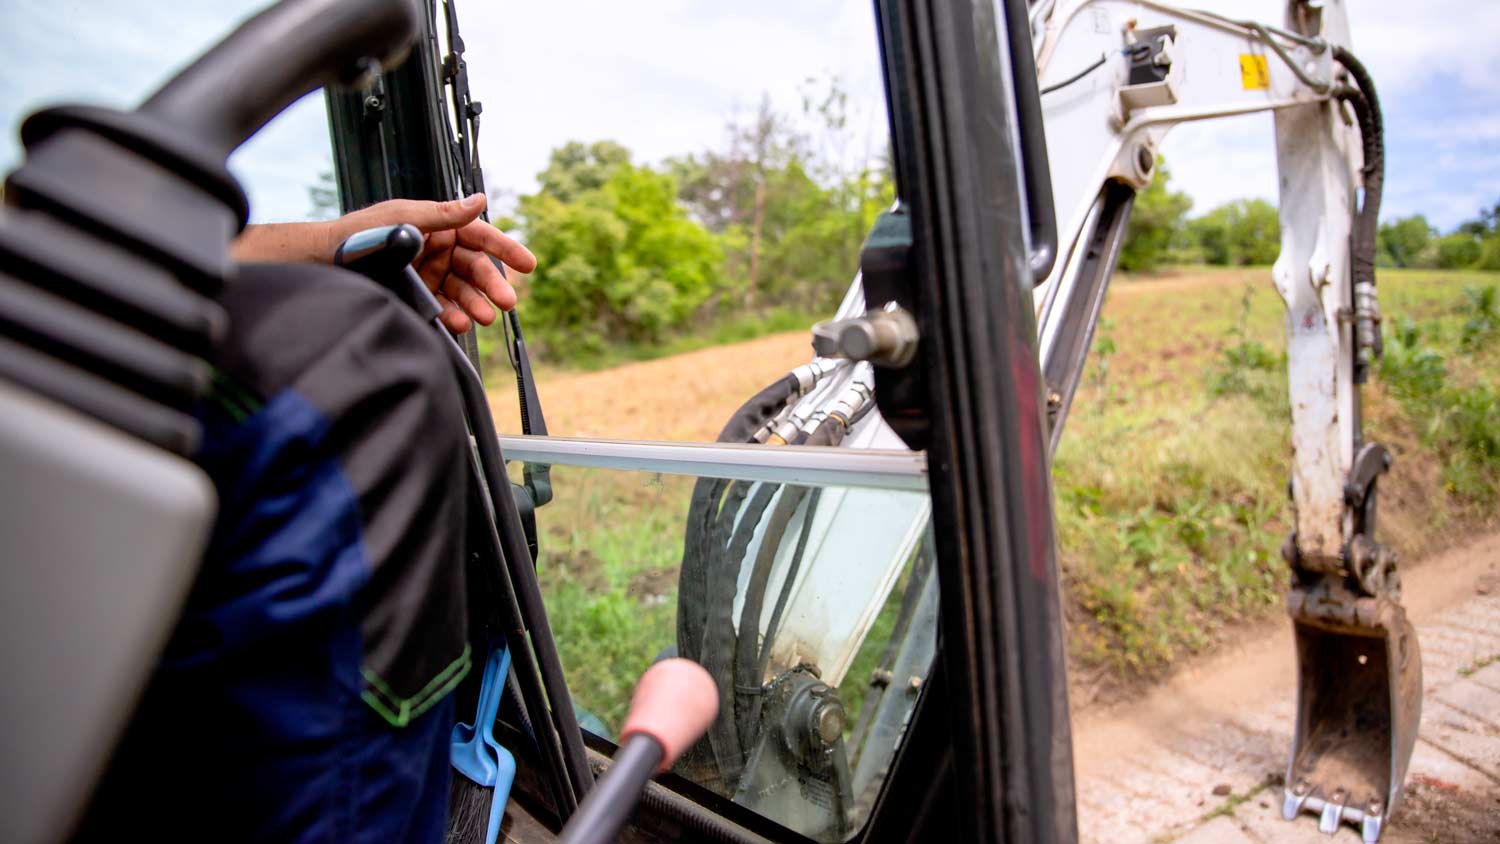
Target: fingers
[(471, 301), (483, 237), (425, 215), (433, 268), (452, 317), (470, 280), (441, 241), (477, 269), (446, 223)]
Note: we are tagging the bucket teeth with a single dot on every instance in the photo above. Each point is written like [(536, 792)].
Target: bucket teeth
[(1333, 813), (1292, 800), (1369, 828)]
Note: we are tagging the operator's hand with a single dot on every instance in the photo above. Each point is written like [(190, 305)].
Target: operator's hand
[(455, 263)]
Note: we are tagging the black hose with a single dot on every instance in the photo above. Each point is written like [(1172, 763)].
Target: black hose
[(719, 633), (761, 407), (1366, 105), (1103, 57), (703, 509), (747, 647), (692, 575), (1372, 134), (753, 654), (864, 410), (512, 547)]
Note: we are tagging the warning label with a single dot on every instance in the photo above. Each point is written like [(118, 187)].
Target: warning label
[(1253, 72)]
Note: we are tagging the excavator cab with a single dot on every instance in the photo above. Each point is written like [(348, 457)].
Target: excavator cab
[(866, 559)]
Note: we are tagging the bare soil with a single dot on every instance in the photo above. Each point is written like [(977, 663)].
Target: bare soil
[(685, 397)]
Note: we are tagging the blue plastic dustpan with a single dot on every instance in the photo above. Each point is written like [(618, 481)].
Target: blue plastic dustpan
[(473, 750)]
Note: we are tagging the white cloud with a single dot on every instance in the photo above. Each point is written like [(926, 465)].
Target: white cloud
[(662, 79)]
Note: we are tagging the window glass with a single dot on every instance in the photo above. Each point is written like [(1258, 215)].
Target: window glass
[(814, 606), (116, 54), (696, 181)]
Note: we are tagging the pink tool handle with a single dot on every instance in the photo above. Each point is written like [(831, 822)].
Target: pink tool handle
[(674, 703)]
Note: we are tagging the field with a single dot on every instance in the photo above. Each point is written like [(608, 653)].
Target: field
[(1170, 483)]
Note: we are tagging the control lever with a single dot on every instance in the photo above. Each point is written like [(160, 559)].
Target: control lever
[(384, 255), (673, 706)]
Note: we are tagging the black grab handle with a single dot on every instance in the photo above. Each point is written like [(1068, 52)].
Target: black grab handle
[(1041, 213), (291, 48)]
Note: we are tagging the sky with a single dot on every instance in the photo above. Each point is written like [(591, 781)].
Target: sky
[(664, 77)]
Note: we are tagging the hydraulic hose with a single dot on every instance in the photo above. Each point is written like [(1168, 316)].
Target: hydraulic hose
[(752, 651), (762, 406), (747, 681), (1366, 106), (720, 526), (774, 625), (719, 636), (703, 509)]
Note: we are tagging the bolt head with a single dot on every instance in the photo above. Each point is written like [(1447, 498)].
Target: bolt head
[(830, 722), (858, 341)]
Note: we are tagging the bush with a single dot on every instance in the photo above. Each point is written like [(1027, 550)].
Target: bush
[(1402, 242), (1454, 251), (1240, 233), (1460, 423), (619, 262)]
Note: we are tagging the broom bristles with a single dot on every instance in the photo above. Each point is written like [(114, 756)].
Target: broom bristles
[(468, 811)]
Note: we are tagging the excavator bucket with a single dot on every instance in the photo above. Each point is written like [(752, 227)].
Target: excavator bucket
[(1359, 702)]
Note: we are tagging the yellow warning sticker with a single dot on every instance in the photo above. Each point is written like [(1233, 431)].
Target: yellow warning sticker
[(1253, 72)]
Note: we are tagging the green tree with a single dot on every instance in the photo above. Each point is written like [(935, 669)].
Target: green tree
[(1489, 253), (1239, 233), (1402, 242), (575, 168), (790, 213), (619, 260), (742, 192), (1155, 222)]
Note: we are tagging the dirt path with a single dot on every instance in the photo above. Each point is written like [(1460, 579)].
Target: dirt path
[(683, 397), (1148, 771)]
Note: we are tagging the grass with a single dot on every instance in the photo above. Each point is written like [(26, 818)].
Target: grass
[(1170, 483), (611, 546), (1478, 665)]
